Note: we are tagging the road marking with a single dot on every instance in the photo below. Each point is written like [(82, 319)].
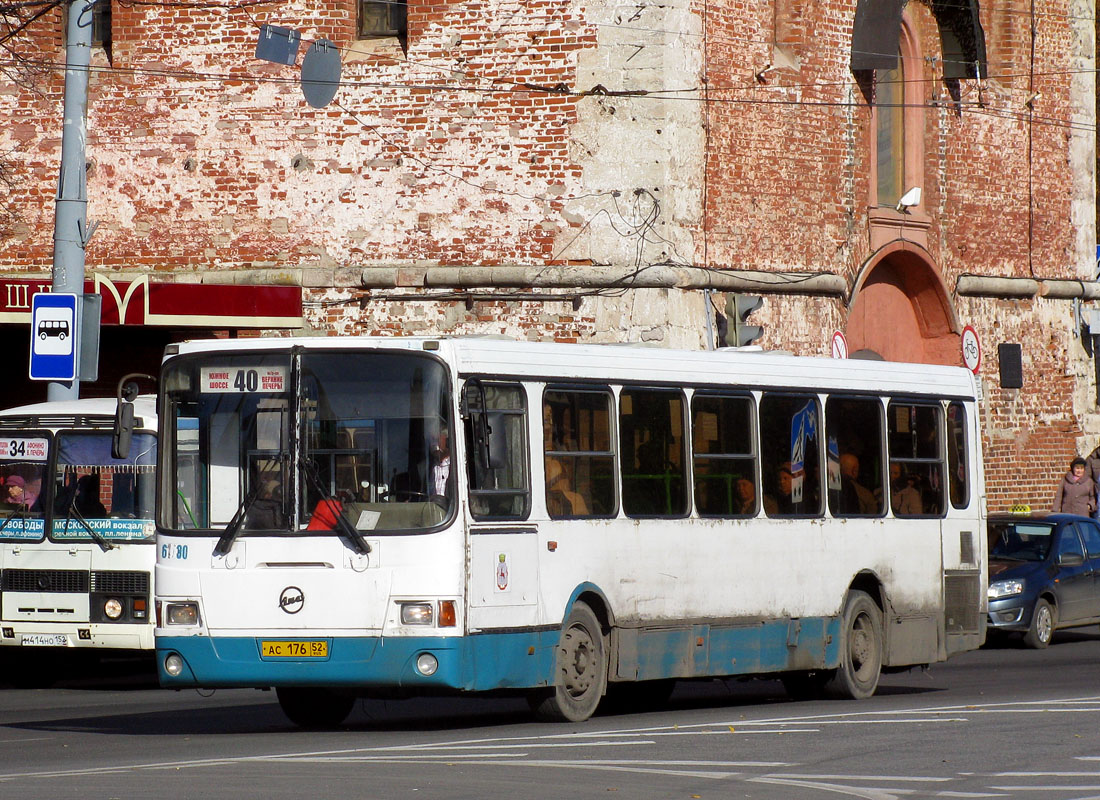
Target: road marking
[(853, 791)]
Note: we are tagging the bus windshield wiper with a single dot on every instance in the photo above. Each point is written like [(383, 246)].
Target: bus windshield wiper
[(97, 537), (237, 522), (343, 524)]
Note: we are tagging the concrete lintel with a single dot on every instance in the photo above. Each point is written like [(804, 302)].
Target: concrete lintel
[(1051, 288), (594, 277)]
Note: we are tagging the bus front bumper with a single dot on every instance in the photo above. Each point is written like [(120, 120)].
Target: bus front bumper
[(419, 664)]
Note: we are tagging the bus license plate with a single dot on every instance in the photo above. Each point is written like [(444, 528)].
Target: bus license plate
[(44, 640), (294, 649)]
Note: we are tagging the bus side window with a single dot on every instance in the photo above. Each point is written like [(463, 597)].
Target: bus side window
[(916, 460), (724, 456), (579, 461), (853, 429), (653, 461), (497, 491), (957, 468), (790, 455)]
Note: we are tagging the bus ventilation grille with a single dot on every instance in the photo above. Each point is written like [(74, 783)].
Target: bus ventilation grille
[(120, 582), (962, 606), (44, 580)]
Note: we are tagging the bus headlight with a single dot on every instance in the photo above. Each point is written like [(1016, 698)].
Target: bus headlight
[(112, 608), (1000, 589), (181, 613), (417, 614), (426, 664), (173, 665)]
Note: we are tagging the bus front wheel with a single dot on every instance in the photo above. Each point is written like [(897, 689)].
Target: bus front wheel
[(581, 670), (861, 642), (314, 707)]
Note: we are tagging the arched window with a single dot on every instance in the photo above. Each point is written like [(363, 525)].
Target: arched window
[(890, 132), (897, 124)]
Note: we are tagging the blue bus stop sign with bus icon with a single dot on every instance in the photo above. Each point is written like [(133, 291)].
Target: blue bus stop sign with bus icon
[(53, 337)]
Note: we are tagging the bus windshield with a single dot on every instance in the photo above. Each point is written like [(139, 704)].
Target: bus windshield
[(22, 470), (281, 442), (92, 490)]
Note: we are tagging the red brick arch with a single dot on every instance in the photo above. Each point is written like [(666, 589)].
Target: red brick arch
[(901, 310)]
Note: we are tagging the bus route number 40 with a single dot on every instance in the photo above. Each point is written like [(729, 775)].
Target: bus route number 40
[(225, 380)]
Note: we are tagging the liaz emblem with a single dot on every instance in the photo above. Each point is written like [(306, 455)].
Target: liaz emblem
[(292, 599)]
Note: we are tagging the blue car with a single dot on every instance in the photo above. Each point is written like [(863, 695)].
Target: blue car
[(1044, 574)]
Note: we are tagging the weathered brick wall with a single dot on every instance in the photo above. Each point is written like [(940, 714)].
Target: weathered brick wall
[(666, 148)]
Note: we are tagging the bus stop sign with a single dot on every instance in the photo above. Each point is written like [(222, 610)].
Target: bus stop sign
[(53, 337)]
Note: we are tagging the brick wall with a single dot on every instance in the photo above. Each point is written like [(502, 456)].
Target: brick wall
[(607, 135)]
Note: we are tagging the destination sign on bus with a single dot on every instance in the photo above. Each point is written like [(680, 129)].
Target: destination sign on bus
[(16, 527), (19, 449), (126, 529), (241, 380)]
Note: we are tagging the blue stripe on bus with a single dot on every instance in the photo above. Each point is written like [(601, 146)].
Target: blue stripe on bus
[(513, 660)]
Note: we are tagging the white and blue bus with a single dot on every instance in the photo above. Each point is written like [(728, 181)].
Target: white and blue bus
[(349, 517), (77, 536)]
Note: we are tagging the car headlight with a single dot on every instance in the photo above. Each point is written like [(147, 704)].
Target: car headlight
[(181, 613), (999, 589), (112, 608)]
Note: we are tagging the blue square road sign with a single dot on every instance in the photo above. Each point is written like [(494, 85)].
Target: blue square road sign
[(53, 337)]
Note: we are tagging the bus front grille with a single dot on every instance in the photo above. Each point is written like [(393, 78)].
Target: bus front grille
[(120, 582), (44, 580)]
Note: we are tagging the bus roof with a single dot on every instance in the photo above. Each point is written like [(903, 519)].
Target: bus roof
[(94, 412), (483, 355)]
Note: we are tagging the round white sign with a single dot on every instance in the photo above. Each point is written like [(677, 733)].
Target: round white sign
[(840, 345), (971, 349)]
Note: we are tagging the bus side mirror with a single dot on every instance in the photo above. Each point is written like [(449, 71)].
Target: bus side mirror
[(125, 394), (124, 430)]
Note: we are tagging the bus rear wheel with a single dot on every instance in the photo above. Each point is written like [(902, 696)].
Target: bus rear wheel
[(580, 670), (861, 640), (315, 707)]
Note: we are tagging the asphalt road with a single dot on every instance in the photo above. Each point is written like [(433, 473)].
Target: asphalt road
[(1000, 722)]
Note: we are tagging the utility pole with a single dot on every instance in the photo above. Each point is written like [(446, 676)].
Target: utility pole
[(70, 232)]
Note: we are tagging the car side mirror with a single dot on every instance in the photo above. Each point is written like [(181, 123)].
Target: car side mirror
[(1070, 559)]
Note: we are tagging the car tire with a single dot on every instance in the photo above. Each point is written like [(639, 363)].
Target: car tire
[(1043, 623)]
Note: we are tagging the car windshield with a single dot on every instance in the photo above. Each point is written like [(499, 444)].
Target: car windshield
[(1020, 541)]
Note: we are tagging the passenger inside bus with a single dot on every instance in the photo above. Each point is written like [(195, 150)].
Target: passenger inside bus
[(267, 511), (855, 498), (15, 485), (441, 467), (746, 497), (87, 502), (561, 500), (780, 502)]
